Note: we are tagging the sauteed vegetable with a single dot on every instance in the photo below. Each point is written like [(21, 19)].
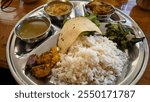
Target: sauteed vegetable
[(123, 35)]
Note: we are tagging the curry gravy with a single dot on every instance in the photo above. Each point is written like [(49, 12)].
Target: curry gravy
[(33, 28), (58, 8)]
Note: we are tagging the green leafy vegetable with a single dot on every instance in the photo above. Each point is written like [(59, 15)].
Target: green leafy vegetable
[(93, 18), (88, 33), (65, 20), (123, 35)]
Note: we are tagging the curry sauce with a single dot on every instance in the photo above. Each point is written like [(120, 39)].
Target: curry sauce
[(33, 28)]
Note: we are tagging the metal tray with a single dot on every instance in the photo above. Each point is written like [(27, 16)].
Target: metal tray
[(19, 51)]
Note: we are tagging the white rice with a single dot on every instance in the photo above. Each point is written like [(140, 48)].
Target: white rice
[(90, 60)]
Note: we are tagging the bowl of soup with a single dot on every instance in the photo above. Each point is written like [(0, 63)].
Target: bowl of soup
[(58, 9), (33, 29)]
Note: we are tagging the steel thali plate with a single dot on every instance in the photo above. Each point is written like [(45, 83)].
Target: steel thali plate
[(19, 51)]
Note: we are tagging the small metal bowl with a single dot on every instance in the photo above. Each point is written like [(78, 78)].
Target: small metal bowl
[(37, 20), (61, 16), (102, 16)]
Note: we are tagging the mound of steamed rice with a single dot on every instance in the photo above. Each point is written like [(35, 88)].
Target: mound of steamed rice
[(90, 60)]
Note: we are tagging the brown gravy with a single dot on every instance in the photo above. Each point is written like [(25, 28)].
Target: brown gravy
[(58, 8)]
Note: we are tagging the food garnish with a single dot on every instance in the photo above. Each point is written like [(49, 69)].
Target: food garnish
[(123, 35), (93, 18)]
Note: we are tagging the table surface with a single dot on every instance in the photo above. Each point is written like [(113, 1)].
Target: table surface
[(18, 9)]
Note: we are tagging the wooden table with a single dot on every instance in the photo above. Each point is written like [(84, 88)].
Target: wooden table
[(19, 9)]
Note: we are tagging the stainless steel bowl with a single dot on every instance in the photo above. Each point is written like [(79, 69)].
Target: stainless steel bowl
[(58, 17), (102, 17), (39, 37)]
